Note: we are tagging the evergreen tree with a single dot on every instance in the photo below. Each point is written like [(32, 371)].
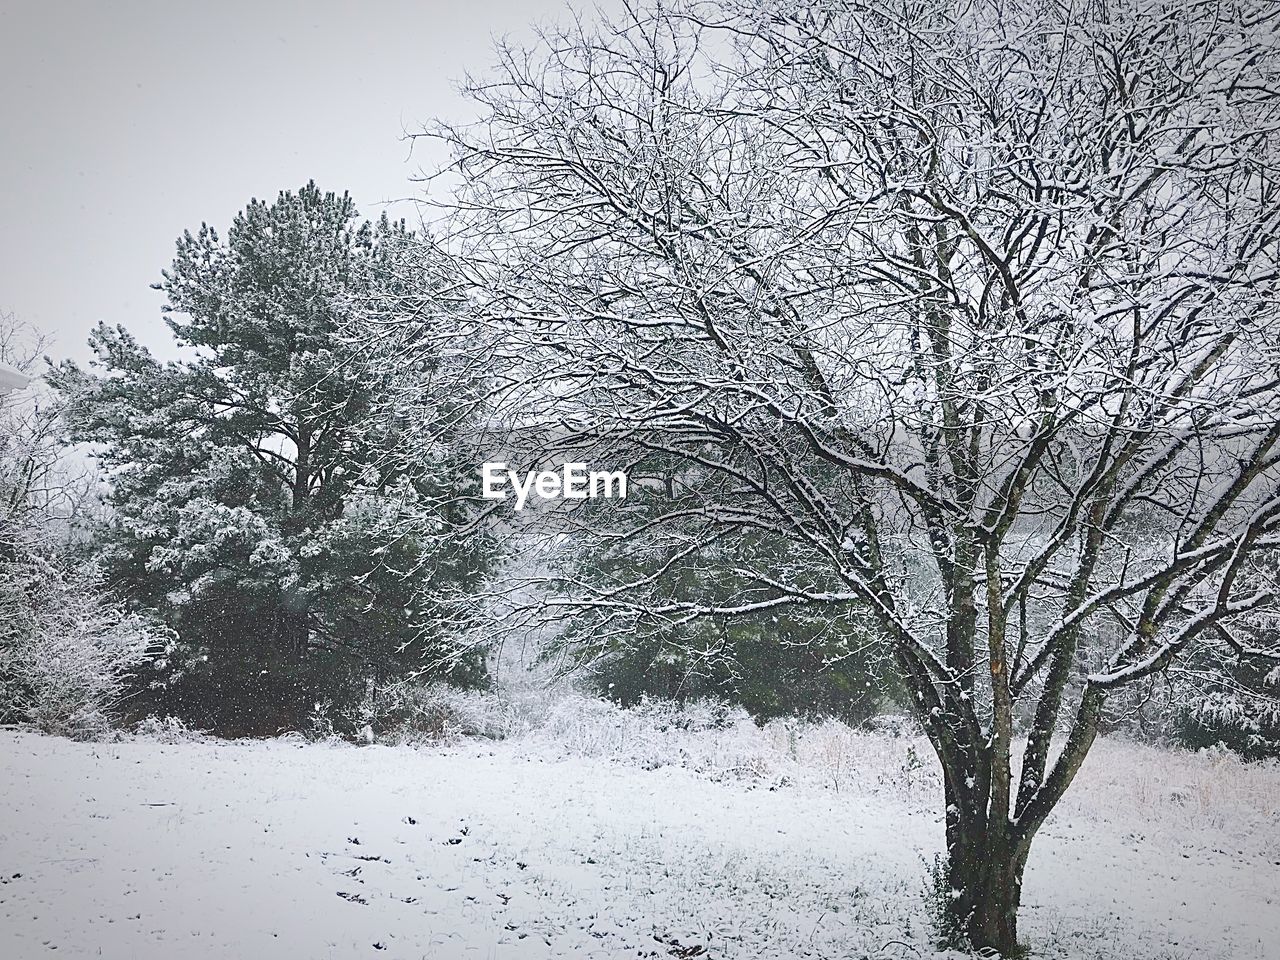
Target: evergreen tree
[(773, 661), (261, 506)]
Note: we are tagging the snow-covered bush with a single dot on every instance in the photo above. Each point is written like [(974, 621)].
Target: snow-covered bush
[(65, 649), (166, 730), (705, 735), (409, 712)]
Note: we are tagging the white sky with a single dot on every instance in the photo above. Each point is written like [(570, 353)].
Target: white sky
[(125, 123)]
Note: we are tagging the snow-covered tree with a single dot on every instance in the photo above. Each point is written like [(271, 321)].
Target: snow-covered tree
[(259, 500), (974, 304), (66, 648)]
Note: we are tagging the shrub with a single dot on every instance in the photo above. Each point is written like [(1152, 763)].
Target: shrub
[(65, 649), (408, 712), (938, 892), (168, 730)]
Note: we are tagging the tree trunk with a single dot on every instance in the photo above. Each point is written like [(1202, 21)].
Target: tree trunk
[(984, 873), (293, 628), (291, 685)]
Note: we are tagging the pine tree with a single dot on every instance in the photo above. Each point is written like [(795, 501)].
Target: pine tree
[(260, 504)]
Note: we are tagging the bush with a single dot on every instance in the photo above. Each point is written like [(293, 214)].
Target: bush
[(412, 712), (938, 891), (65, 649), (168, 730)]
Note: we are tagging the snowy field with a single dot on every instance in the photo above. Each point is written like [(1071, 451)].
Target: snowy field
[(600, 835)]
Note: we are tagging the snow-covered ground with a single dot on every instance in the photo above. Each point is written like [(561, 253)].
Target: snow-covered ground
[(601, 835)]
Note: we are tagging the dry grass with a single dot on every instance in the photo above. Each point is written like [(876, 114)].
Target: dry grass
[(1174, 788)]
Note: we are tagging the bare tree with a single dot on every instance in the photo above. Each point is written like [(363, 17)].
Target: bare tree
[(66, 647), (973, 303), (38, 481), (21, 345)]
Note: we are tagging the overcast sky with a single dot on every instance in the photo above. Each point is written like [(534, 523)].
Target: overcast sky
[(125, 123)]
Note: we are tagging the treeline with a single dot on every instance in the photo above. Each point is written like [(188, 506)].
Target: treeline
[(290, 523), (286, 511), (288, 528)]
